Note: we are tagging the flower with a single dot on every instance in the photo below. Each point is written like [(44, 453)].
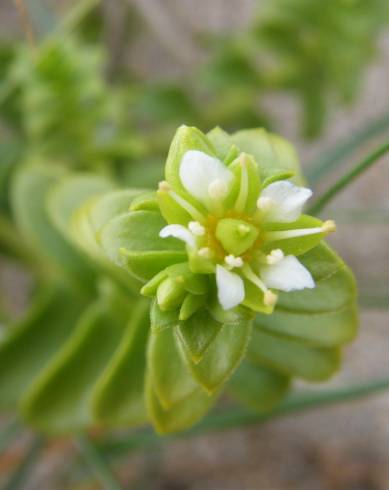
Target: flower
[(243, 231)]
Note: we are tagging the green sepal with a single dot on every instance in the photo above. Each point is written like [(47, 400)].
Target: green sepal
[(132, 241), (281, 175), (170, 210), (253, 182), (292, 357), (170, 294), (221, 358), (190, 305), (171, 379), (147, 201), (150, 288), (298, 245), (273, 154), (221, 141), (257, 387), (197, 333), (182, 415), (162, 319), (253, 298), (193, 283), (118, 398)]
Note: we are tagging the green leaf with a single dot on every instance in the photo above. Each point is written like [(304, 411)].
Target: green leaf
[(273, 154), (323, 316), (294, 246), (30, 345), (222, 356), (112, 204), (182, 415), (197, 333), (292, 357), (171, 379), (132, 241), (29, 193), (257, 387), (335, 284), (118, 398), (70, 193), (147, 201), (221, 141), (59, 399), (161, 319)]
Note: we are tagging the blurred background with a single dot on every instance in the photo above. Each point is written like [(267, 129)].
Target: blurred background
[(102, 85)]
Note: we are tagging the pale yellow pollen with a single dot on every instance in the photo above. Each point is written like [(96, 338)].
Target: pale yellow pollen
[(270, 298), (243, 159), (329, 226), (233, 261), (164, 186), (275, 256), (196, 228)]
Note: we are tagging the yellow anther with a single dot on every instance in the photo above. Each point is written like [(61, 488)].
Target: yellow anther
[(329, 226), (270, 298)]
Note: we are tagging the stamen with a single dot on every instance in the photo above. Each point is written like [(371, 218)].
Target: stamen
[(164, 186), (233, 261), (196, 215), (270, 298), (285, 234), (264, 204), (329, 226), (275, 256), (248, 272), (196, 228), (217, 189), (244, 185), (205, 253)]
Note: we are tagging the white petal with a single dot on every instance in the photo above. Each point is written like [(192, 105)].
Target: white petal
[(287, 275), (230, 288), (199, 171), (286, 201), (180, 232)]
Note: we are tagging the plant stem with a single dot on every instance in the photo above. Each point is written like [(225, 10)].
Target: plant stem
[(97, 463), (25, 21), (240, 417), (21, 473), (348, 178), (331, 158)]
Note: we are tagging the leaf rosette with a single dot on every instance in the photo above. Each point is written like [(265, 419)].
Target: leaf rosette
[(243, 292), (221, 246)]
